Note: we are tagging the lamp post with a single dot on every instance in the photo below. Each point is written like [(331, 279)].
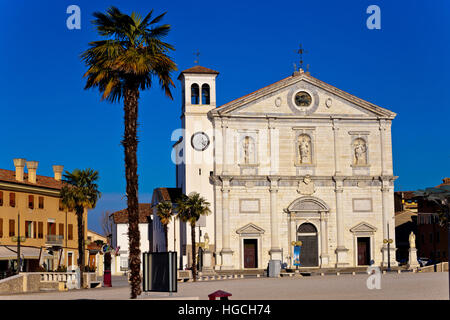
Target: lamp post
[(388, 241)]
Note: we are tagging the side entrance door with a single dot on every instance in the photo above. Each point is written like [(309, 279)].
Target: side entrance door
[(363, 251), (250, 253)]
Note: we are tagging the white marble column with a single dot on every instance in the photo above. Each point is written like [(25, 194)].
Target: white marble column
[(273, 147), (324, 240), (388, 223), (341, 251), (382, 146), (226, 252), (224, 147), (275, 250), (336, 147)]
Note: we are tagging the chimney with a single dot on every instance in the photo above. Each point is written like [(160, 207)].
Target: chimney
[(19, 163), (32, 167), (57, 170)]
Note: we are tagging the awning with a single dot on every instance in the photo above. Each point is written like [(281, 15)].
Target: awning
[(10, 253)]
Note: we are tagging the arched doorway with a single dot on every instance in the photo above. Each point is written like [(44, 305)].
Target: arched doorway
[(309, 254)]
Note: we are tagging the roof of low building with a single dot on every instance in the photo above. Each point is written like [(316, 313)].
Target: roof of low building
[(445, 182), (145, 211), (169, 194), (402, 217), (41, 181)]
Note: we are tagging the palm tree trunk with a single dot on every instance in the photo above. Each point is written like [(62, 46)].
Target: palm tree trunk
[(167, 238), (130, 147), (79, 212), (194, 263)]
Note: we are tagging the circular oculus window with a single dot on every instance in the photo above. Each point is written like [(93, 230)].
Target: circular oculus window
[(302, 99)]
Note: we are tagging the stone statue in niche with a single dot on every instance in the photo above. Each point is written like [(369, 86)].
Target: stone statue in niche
[(360, 150), (304, 148), (248, 150)]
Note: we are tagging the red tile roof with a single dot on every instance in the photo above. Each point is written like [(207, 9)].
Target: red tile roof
[(169, 194), (200, 70), (41, 181), (445, 182), (145, 211)]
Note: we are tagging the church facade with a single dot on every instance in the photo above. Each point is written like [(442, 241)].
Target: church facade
[(296, 161)]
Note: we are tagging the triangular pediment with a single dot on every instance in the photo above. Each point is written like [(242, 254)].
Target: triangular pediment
[(250, 229), (277, 99), (363, 227)]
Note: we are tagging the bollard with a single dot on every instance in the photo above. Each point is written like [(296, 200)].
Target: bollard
[(322, 274), (399, 271), (258, 275), (337, 273), (353, 273), (235, 276), (384, 271), (242, 276)]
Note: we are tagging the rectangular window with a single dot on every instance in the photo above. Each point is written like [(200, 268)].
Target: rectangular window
[(70, 232), (31, 201), (61, 229), (40, 230), (41, 202), (51, 228), (1, 228), (12, 228), (12, 199), (28, 229), (34, 230), (1, 198), (60, 205)]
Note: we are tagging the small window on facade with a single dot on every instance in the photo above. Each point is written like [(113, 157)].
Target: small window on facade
[(12, 199), (28, 229), (41, 202), (1, 198), (61, 230), (70, 232), (205, 94), (34, 229), (40, 230), (12, 228), (31, 201), (61, 208), (1, 228), (195, 93)]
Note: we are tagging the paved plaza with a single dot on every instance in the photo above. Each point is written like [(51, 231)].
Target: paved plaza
[(408, 286)]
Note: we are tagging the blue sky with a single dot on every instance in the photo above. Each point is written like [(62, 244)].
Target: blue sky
[(47, 116)]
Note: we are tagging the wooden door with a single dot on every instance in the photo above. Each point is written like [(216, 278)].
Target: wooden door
[(250, 253), (363, 251), (309, 251)]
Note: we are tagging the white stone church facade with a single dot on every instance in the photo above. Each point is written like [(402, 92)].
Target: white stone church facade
[(298, 160)]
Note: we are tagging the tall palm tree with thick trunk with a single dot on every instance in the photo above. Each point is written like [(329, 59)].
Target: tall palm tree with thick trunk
[(190, 209), (164, 210), (79, 193), (120, 66)]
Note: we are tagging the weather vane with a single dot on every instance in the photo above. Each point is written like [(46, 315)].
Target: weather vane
[(197, 54), (301, 51)]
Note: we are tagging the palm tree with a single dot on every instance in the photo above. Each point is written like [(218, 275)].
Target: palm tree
[(164, 210), (190, 208), (125, 62), (79, 193)]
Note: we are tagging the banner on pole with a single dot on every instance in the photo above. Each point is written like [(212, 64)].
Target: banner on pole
[(297, 256)]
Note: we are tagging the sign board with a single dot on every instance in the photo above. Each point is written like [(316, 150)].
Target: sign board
[(297, 256), (159, 271)]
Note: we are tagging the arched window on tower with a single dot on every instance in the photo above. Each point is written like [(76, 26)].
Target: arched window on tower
[(205, 94), (195, 93)]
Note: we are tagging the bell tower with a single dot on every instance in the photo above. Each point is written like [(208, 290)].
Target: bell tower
[(194, 150)]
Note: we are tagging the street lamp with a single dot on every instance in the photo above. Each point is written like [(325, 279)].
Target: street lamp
[(388, 241)]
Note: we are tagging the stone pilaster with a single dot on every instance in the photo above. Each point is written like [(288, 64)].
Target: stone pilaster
[(341, 251), (324, 240), (273, 147), (388, 224), (383, 146), (336, 147), (226, 252), (224, 147), (275, 250)]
